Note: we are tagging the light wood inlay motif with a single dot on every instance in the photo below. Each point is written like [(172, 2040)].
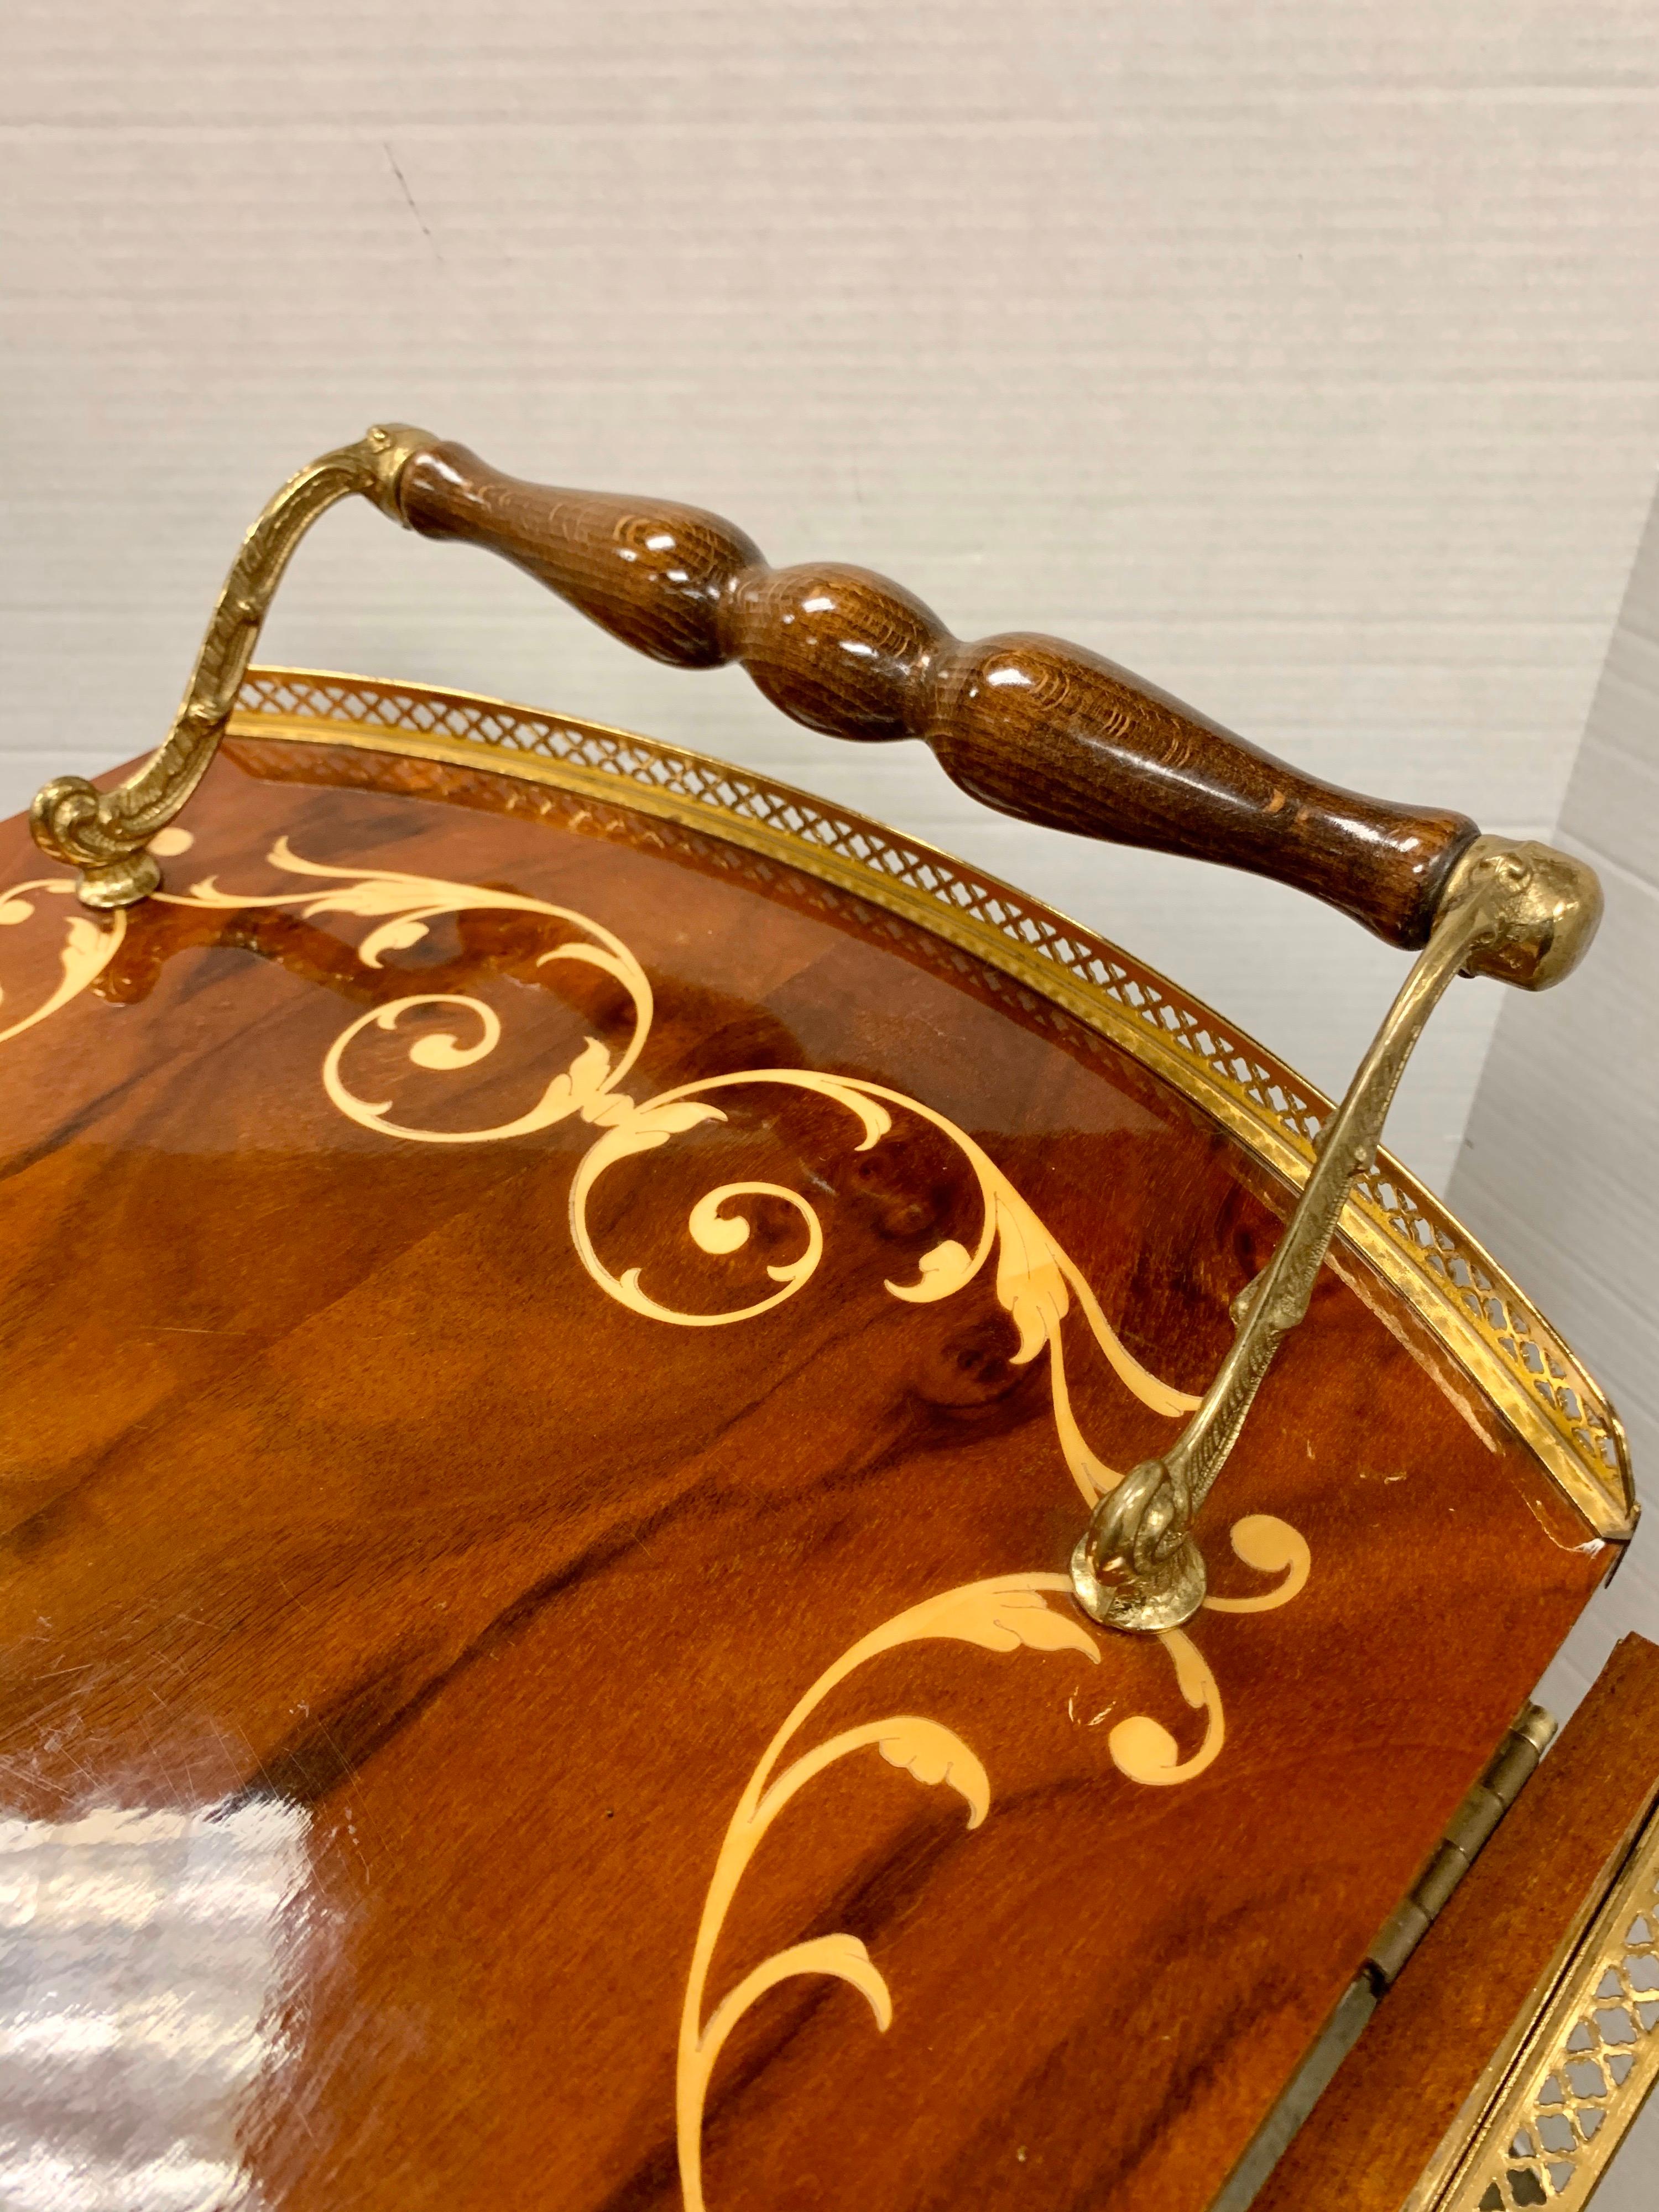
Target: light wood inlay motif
[(365, 1496), (1036, 1280), (1008, 1613), (89, 946)]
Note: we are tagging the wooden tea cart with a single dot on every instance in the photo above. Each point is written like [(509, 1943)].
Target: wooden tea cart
[(872, 1561)]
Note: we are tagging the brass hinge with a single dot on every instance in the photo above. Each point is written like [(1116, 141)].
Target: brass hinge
[(1470, 1830), (1511, 1768)]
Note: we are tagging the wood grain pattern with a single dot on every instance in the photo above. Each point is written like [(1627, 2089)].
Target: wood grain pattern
[(1391, 2102), (1044, 730), (330, 1477)]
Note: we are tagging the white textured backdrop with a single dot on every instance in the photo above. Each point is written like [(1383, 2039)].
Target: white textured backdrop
[(1303, 355), (1559, 1165)]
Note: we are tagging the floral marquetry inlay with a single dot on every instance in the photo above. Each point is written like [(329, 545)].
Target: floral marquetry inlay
[(1036, 1282), (88, 946), (1011, 1613), (1044, 963)]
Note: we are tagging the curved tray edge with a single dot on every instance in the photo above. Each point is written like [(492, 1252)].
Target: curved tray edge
[(1406, 1233)]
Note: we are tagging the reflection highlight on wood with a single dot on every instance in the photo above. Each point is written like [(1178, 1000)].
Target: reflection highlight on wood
[(1035, 1281), (383, 1505)]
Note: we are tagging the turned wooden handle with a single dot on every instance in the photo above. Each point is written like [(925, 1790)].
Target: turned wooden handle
[(1048, 732)]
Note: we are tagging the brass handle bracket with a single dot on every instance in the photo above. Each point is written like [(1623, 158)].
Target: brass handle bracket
[(1523, 912), (107, 834)]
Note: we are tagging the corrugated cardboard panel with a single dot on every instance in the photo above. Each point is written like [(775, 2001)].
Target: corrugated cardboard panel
[(1300, 356)]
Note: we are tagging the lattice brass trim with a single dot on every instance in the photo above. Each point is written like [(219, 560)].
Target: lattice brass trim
[(1405, 1232), (1587, 2064)]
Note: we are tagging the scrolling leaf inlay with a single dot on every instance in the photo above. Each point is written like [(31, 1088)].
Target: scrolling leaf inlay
[(1008, 1613), (1036, 1282), (89, 946)]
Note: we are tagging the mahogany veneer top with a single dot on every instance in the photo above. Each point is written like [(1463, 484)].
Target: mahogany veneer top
[(332, 1478)]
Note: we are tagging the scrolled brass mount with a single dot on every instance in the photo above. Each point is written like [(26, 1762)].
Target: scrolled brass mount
[(1523, 912), (107, 834)]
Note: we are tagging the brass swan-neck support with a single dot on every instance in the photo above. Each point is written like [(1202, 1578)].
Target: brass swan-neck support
[(107, 834), (1522, 911)]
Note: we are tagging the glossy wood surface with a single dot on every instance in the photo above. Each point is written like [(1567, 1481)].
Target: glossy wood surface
[(1043, 730), (1390, 2103), (335, 1484)]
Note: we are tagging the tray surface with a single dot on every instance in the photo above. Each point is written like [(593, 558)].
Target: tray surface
[(620, 1529)]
